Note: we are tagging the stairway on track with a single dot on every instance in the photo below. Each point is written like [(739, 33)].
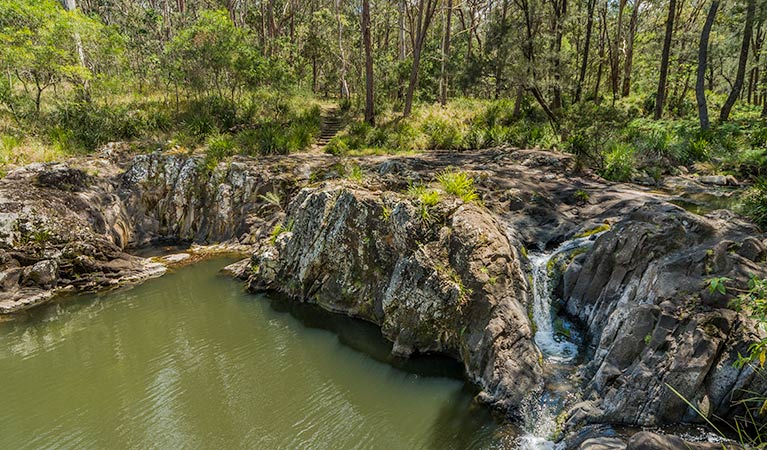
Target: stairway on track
[(331, 123)]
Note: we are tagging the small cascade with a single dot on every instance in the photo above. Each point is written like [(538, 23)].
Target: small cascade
[(559, 345), (556, 346)]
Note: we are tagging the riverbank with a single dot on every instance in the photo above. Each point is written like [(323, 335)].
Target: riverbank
[(434, 249)]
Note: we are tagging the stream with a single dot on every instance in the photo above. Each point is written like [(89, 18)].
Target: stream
[(559, 342)]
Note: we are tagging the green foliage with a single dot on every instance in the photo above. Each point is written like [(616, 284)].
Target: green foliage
[(272, 198), (581, 196), (426, 199), (353, 172), (337, 147), (219, 147), (755, 203), (213, 55), (620, 163), (279, 229), (717, 285), (458, 183)]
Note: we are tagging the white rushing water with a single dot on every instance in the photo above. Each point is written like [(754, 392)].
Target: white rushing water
[(555, 346), (541, 410)]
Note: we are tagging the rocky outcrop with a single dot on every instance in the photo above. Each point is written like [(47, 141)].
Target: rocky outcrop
[(178, 197), (71, 225), (641, 292), (453, 286), (62, 228), (449, 280)]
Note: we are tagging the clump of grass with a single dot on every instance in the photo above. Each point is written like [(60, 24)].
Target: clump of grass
[(620, 163), (353, 172), (458, 183), (581, 196), (220, 146), (337, 146), (426, 199)]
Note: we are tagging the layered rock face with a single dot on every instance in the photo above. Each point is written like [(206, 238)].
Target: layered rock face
[(67, 225), (455, 286), (175, 196), (61, 227)]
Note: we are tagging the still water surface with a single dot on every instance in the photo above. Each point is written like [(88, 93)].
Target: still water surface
[(191, 361)]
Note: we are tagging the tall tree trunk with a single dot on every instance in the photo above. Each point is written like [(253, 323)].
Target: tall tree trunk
[(626, 88), (560, 11), (445, 53), (369, 97), (344, 86), (426, 9), (586, 47), (500, 60), (738, 85), (700, 82), (602, 40), (71, 5), (401, 30), (615, 52), (661, 95)]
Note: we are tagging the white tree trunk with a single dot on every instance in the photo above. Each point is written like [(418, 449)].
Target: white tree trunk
[(71, 5)]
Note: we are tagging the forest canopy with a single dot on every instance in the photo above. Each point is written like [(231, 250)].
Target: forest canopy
[(634, 89)]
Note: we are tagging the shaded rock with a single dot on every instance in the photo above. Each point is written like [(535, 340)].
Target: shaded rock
[(63, 177), (574, 439), (43, 274)]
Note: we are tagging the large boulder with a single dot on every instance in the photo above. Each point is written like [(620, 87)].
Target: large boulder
[(453, 286)]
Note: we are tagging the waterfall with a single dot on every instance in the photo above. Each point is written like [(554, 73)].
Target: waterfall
[(555, 347), (541, 409)]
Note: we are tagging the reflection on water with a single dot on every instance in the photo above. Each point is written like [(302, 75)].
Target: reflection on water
[(190, 361), (703, 202)]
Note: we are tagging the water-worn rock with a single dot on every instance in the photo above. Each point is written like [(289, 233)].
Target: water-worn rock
[(603, 443), (641, 293), (646, 440), (454, 287), (61, 228)]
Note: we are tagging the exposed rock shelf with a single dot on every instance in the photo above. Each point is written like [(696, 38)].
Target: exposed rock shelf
[(455, 284)]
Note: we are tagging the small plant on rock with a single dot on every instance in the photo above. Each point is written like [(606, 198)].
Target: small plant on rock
[(426, 199), (272, 198), (278, 230), (458, 183)]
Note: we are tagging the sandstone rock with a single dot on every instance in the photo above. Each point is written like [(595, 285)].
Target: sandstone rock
[(719, 180), (176, 258)]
